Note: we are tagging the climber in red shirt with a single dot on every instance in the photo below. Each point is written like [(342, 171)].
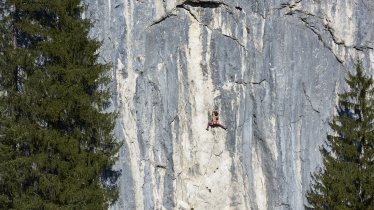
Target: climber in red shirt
[(214, 122)]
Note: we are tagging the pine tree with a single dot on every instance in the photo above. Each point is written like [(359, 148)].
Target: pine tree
[(347, 178), (56, 140)]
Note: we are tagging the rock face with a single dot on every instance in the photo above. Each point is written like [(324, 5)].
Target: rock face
[(272, 68)]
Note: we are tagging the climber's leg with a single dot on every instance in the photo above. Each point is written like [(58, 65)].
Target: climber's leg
[(209, 124), (220, 125)]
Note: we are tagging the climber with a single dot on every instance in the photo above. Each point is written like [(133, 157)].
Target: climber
[(214, 122)]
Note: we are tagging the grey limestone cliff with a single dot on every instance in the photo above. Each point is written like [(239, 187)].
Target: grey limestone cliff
[(272, 68)]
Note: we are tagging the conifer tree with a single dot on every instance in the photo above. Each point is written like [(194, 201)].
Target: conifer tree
[(56, 141), (347, 178)]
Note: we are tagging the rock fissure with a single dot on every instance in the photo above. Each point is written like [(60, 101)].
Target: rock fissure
[(190, 12), (309, 100), (258, 83), (235, 39), (293, 9), (210, 28), (252, 83), (203, 4), (166, 16), (290, 5), (303, 16), (219, 154), (173, 119), (362, 48), (324, 43), (239, 8), (161, 166), (298, 120), (211, 5), (286, 5), (206, 4), (284, 204)]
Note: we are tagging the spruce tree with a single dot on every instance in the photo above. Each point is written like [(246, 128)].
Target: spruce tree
[(56, 140), (347, 179)]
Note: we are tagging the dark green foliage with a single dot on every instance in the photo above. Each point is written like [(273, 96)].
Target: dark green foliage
[(55, 140), (347, 180)]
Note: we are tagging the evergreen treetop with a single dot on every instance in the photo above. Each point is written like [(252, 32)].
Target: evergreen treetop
[(56, 141), (347, 178)]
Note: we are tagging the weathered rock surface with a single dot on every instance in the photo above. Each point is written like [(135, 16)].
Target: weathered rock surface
[(272, 68)]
